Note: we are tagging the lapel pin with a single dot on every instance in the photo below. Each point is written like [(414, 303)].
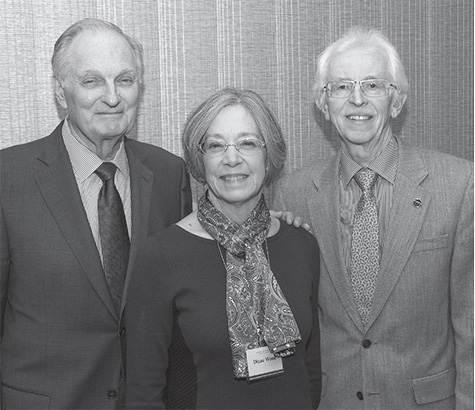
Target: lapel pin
[(417, 203)]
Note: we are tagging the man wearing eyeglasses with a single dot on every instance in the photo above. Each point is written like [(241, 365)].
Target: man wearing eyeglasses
[(395, 229)]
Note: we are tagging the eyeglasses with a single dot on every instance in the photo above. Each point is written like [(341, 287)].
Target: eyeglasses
[(370, 88), (214, 148)]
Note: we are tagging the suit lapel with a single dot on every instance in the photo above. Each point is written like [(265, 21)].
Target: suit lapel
[(141, 182), (405, 224), (59, 189), (324, 208)]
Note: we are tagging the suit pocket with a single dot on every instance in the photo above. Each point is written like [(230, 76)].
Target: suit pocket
[(14, 398), (434, 388), (427, 244)]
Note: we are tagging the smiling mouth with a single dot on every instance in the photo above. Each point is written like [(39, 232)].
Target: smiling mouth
[(359, 117), (232, 178)]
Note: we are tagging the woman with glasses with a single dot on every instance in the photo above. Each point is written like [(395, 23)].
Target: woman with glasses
[(223, 305)]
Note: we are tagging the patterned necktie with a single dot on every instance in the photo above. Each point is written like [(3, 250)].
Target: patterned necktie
[(364, 265), (113, 231)]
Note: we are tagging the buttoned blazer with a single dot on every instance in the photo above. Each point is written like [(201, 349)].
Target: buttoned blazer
[(61, 334), (418, 345)]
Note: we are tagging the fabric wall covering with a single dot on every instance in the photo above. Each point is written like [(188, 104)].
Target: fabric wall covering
[(194, 47)]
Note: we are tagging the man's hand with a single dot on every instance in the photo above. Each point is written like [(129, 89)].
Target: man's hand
[(290, 219)]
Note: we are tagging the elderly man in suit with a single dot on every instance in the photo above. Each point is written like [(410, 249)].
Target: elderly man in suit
[(395, 229), (74, 206)]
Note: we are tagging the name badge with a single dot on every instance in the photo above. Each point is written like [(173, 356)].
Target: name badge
[(261, 363)]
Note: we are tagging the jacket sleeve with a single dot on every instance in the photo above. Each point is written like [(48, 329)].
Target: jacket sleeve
[(149, 328), (312, 351), (4, 277), (4, 269), (461, 300)]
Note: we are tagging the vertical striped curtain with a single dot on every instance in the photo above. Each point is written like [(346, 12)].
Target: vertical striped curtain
[(194, 47)]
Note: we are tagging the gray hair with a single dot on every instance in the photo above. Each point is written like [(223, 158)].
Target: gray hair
[(360, 37), (201, 118), (61, 61)]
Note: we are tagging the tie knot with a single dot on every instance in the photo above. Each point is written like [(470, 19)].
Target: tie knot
[(106, 171), (366, 178)]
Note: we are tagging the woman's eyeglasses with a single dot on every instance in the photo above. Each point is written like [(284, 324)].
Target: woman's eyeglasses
[(247, 146)]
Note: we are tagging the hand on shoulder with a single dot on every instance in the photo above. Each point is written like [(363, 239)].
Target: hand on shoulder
[(290, 219)]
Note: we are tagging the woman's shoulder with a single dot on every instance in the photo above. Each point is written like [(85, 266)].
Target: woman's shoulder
[(183, 239), (288, 232), (294, 241), (174, 250), (171, 234), (191, 224)]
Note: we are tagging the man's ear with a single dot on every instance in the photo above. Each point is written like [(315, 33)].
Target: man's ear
[(59, 91), (321, 103), (398, 103)]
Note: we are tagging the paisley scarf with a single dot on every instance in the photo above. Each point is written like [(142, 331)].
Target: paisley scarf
[(257, 311)]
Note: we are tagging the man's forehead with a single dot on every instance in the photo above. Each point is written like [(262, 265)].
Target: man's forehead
[(93, 51), (99, 41), (359, 64)]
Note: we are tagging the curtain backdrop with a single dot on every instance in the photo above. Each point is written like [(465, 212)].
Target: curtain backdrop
[(194, 47)]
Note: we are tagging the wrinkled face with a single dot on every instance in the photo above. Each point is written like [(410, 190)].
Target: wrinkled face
[(101, 89), (362, 120), (235, 180)]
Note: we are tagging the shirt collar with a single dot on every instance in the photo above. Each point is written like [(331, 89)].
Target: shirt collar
[(385, 164), (84, 161)]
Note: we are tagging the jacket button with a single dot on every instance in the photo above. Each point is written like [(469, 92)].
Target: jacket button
[(112, 394), (359, 395), (122, 332), (366, 343)]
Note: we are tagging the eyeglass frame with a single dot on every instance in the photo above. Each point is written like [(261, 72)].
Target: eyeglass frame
[(388, 87), (261, 143)]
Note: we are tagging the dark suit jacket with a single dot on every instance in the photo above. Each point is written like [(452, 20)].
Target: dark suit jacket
[(418, 346), (61, 337)]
